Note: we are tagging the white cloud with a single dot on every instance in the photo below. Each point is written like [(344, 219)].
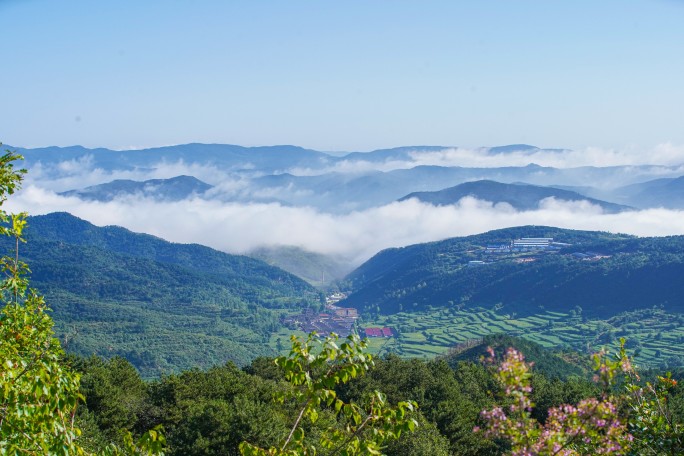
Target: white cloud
[(355, 235), (238, 228), (664, 154), (355, 166)]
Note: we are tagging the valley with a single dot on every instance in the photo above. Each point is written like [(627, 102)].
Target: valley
[(169, 306)]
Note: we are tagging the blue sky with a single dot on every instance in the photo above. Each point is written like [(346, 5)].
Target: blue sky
[(353, 75)]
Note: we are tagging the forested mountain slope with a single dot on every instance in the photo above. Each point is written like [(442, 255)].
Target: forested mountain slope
[(161, 305), (64, 227), (550, 362), (602, 273), (316, 268)]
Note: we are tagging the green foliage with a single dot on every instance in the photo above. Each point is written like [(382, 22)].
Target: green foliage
[(115, 395), (39, 396), (211, 412), (39, 393), (314, 368), (425, 440), (652, 421), (151, 443), (450, 400)]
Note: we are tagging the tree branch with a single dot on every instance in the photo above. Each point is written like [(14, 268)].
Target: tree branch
[(296, 423)]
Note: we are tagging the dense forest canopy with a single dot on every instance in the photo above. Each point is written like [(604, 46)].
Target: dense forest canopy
[(161, 305)]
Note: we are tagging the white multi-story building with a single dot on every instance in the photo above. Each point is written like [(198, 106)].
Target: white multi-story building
[(532, 244)]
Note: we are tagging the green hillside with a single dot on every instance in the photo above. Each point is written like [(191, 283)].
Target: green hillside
[(317, 269), (604, 274), (551, 363), (163, 306), (583, 294)]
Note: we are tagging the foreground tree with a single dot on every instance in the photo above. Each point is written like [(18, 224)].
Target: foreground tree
[(39, 393), (314, 368)]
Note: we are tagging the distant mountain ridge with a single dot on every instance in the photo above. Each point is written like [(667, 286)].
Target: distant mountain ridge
[(665, 192), (519, 195), (334, 183), (526, 148), (173, 189), (269, 158)]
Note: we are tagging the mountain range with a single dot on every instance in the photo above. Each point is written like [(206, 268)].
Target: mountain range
[(334, 183), (341, 184), (665, 192), (164, 306)]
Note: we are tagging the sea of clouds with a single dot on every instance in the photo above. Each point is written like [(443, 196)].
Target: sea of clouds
[(666, 154), (238, 227), (356, 236)]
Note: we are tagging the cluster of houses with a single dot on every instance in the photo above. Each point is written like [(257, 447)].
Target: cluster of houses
[(589, 256), (339, 320), (542, 244)]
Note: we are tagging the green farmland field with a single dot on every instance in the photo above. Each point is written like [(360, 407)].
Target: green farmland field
[(657, 337)]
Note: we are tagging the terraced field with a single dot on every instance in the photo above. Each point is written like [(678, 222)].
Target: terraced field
[(657, 337)]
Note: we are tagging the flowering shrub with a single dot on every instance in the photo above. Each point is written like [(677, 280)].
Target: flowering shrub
[(636, 422), (590, 427)]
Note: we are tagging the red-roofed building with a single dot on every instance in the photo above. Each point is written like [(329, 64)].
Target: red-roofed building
[(373, 332), (379, 332)]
